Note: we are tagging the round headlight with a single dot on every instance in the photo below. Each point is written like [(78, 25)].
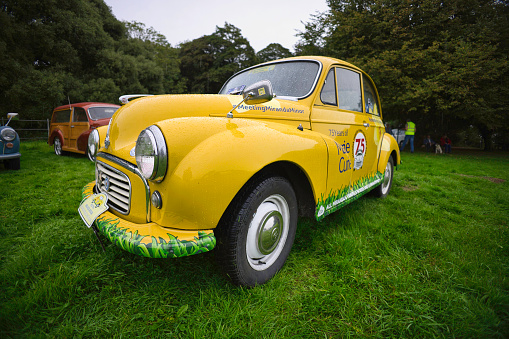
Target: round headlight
[(93, 144), (151, 153), (8, 134)]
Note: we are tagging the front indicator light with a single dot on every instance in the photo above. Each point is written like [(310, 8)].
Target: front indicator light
[(156, 199)]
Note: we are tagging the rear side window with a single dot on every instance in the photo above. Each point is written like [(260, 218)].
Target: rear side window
[(370, 98), (79, 115), (62, 116), (328, 94), (349, 90)]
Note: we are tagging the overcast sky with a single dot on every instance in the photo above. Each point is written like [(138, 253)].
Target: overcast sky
[(261, 21)]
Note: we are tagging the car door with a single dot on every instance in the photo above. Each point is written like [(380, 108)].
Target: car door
[(328, 119), (79, 124), (340, 113), (366, 140), (60, 121), (373, 110)]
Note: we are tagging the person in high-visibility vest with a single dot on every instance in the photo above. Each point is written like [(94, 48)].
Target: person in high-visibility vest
[(409, 135)]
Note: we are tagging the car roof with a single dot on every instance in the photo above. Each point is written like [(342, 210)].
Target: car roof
[(326, 61), (86, 105)]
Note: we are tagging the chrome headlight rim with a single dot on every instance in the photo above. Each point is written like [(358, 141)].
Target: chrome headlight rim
[(159, 153), (8, 134), (93, 145)]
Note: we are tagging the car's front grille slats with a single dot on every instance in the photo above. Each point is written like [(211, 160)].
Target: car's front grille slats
[(116, 185)]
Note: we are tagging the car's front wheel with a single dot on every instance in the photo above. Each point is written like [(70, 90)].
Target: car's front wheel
[(385, 187), (254, 244), (57, 146)]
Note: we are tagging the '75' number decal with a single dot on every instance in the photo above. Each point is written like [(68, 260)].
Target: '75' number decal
[(360, 143)]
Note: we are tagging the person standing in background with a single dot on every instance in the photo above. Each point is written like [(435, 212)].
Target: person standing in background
[(409, 135)]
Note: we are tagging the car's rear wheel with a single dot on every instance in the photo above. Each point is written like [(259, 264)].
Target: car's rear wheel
[(254, 244), (385, 187), (57, 146)]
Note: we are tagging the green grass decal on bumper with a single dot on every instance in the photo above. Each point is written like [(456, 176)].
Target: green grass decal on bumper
[(170, 247)]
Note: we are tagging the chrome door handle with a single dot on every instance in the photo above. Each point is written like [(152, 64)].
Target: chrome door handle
[(366, 124)]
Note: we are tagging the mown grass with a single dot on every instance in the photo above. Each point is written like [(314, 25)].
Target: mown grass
[(431, 260)]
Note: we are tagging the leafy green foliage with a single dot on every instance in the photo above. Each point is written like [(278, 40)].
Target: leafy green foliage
[(60, 51), (273, 52), (207, 62), (444, 64)]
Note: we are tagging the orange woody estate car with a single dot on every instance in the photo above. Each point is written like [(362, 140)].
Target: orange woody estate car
[(71, 125)]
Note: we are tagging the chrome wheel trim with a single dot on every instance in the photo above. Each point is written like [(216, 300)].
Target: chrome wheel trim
[(387, 178), (268, 232), (58, 146)]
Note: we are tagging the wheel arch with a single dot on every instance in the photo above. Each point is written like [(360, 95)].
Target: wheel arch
[(56, 133), (285, 169)]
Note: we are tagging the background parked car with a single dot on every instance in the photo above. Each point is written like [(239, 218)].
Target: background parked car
[(9, 145), (399, 135), (71, 125)]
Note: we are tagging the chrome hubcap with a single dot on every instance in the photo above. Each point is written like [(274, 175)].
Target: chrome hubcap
[(267, 232), (58, 147), (270, 232), (387, 178)]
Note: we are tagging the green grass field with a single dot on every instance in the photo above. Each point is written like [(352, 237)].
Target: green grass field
[(431, 260)]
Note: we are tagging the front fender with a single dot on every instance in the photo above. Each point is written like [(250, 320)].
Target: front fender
[(389, 148), (210, 160), (56, 133)]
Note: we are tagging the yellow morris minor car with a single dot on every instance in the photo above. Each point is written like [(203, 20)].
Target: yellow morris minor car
[(182, 174)]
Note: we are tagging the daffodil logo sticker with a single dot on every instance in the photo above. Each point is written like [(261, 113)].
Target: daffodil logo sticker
[(261, 91), (92, 207)]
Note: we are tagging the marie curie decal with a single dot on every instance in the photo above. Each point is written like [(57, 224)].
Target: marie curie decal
[(92, 207), (359, 150)]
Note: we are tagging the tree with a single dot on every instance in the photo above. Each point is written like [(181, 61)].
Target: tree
[(273, 51), (207, 62), (442, 63), (60, 50)]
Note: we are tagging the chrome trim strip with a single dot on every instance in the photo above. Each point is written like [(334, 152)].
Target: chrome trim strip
[(133, 169)]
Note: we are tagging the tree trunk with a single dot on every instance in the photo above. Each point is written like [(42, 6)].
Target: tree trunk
[(486, 134)]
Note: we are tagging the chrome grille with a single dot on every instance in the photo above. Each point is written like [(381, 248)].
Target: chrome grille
[(116, 185)]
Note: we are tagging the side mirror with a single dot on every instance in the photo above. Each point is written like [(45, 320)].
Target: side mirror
[(258, 93), (124, 99), (11, 116)]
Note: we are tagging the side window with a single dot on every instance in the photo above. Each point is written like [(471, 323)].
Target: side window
[(62, 116), (370, 98), (328, 94), (349, 90), (79, 115)]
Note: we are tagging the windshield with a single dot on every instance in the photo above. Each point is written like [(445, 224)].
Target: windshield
[(291, 78), (97, 113)]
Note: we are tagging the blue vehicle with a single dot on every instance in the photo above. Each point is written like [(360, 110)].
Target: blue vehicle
[(9, 145)]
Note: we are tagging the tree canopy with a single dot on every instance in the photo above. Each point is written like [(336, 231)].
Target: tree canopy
[(441, 63)]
